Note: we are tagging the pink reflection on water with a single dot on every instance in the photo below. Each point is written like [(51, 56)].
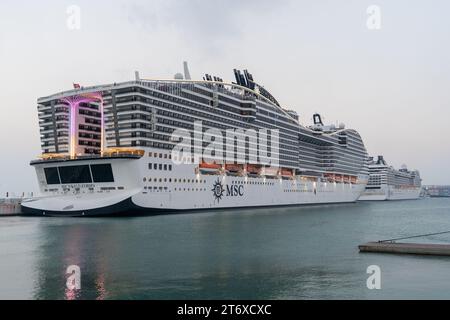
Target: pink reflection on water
[(71, 294), (100, 286)]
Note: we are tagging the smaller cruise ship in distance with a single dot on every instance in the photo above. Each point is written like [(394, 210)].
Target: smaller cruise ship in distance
[(387, 183)]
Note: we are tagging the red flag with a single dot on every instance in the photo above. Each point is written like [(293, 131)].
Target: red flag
[(76, 86)]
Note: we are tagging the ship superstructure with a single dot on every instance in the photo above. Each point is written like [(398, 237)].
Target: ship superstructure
[(110, 149)]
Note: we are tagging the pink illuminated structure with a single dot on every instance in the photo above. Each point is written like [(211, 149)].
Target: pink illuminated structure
[(73, 102)]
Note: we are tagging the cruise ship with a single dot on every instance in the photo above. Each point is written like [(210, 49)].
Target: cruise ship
[(155, 146), (387, 183)]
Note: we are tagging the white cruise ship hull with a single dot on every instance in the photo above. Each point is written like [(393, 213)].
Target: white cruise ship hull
[(391, 193), (176, 188), (154, 203)]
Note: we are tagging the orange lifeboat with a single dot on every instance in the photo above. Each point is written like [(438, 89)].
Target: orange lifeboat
[(233, 167), (210, 167), (346, 179), (353, 179), (271, 171), (286, 172), (253, 169)]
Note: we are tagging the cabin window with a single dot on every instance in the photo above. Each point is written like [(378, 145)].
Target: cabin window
[(102, 173), (75, 174), (51, 175)]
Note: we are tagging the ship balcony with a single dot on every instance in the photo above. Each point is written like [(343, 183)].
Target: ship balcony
[(45, 117), (47, 138), (43, 106), (46, 131)]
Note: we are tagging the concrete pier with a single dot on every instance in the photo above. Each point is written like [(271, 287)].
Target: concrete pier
[(10, 207), (406, 248)]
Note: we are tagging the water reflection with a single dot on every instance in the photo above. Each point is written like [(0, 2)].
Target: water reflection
[(64, 243), (264, 254), (253, 254)]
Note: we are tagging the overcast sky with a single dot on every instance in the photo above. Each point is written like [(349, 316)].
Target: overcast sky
[(390, 84)]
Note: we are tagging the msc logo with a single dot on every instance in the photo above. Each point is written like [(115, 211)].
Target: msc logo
[(219, 191)]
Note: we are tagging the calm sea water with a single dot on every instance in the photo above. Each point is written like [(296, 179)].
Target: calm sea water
[(294, 253)]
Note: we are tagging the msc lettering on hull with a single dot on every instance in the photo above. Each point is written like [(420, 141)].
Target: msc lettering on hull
[(235, 190), (219, 191)]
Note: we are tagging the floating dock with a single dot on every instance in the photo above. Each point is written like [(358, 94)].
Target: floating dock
[(406, 248)]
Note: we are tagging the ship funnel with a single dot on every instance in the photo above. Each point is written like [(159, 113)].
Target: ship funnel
[(187, 74), (317, 119), (381, 160)]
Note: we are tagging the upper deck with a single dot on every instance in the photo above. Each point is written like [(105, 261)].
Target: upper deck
[(113, 153)]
